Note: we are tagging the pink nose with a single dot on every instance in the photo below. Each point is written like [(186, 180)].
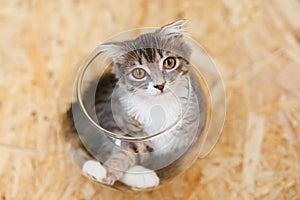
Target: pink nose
[(160, 87)]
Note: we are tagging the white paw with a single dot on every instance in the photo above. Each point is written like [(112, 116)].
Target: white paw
[(94, 169), (140, 177)]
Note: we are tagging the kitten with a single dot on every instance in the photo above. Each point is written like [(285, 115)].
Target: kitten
[(146, 92)]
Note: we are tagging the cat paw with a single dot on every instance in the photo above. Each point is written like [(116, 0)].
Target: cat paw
[(140, 177), (94, 169)]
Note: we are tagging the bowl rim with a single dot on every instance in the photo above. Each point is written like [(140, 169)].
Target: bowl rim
[(78, 92)]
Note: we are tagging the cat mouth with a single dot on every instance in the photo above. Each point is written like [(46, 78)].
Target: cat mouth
[(164, 92)]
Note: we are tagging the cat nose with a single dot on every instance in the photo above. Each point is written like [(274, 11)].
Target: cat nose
[(160, 87)]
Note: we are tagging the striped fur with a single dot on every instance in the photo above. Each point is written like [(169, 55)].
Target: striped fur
[(137, 108)]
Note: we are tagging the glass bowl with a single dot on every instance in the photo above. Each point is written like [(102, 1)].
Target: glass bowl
[(85, 127)]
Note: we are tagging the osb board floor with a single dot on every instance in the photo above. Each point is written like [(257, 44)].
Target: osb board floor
[(255, 44)]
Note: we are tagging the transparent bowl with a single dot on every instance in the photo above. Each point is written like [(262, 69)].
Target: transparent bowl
[(82, 125)]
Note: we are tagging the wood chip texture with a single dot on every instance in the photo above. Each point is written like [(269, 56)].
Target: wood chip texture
[(255, 44)]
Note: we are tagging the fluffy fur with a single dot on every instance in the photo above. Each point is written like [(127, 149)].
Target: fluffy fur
[(141, 107)]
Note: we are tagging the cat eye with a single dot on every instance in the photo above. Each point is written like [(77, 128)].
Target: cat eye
[(169, 63), (138, 73)]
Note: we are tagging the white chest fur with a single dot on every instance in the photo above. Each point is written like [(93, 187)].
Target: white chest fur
[(157, 111)]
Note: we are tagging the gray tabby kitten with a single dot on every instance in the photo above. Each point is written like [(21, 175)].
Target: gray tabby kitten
[(146, 92)]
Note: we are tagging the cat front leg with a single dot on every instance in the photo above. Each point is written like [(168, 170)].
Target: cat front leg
[(123, 166), (94, 169), (140, 177), (119, 162), (136, 176), (113, 169)]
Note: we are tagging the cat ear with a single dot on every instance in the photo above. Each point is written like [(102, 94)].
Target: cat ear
[(112, 50), (115, 51), (172, 30)]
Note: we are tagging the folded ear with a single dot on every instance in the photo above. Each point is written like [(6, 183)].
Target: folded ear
[(112, 50), (115, 51), (172, 30)]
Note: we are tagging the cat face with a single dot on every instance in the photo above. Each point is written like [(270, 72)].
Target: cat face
[(152, 64)]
